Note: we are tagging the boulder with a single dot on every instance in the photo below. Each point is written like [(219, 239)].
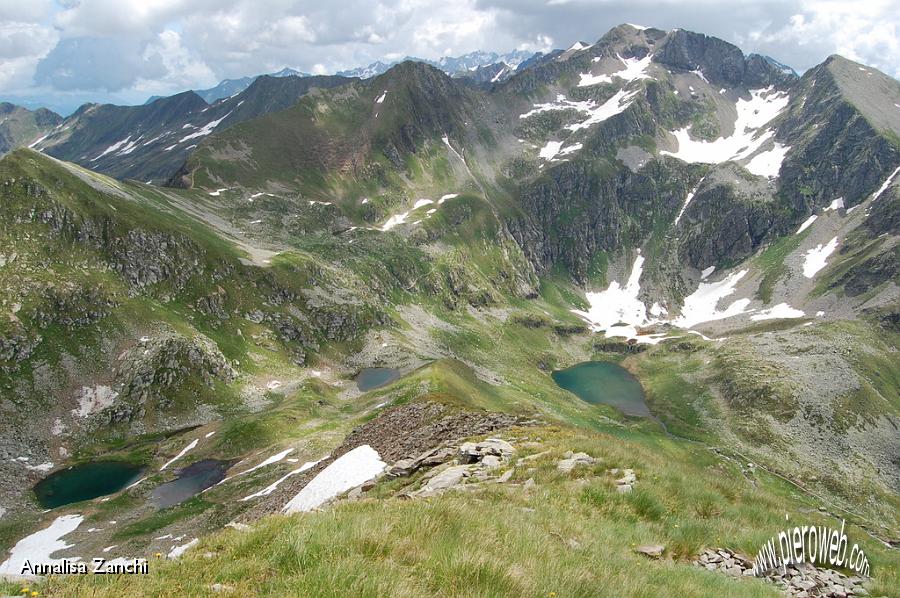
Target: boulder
[(651, 550), (574, 460), (448, 478)]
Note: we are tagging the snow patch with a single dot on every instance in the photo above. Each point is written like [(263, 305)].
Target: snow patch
[(43, 467), (614, 105), (269, 461), (113, 148), (206, 130), (183, 452), (617, 310), (806, 224), (271, 487), (706, 272), (702, 305), (394, 221), (550, 150), (177, 551), (780, 311), (700, 74), (421, 202), (687, 200), (380, 98), (447, 196), (634, 69), (886, 183), (348, 471), (837, 204), (768, 163), (816, 258), (37, 141), (40, 546), (752, 115)]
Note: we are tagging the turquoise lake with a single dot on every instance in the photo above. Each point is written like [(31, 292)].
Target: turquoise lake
[(371, 378), (601, 382)]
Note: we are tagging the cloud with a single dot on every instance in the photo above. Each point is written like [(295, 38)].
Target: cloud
[(22, 46), (865, 32), (127, 48), (107, 64)]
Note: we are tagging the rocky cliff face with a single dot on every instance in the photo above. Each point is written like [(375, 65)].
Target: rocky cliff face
[(836, 151)]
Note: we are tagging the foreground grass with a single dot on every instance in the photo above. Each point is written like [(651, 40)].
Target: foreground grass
[(571, 535)]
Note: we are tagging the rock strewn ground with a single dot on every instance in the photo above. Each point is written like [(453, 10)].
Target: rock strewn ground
[(798, 581), (398, 433)]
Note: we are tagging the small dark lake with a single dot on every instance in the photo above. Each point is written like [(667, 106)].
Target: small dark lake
[(84, 482), (193, 479), (371, 378), (601, 382)]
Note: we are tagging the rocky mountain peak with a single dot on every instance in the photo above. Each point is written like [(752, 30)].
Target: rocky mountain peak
[(719, 61)]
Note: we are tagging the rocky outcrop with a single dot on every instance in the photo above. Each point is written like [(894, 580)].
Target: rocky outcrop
[(871, 273), (72, 306), (577, 209), (143, 256), (721, 63), (155, 368), (726, 222)]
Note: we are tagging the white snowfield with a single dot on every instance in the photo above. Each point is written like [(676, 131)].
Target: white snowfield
[(768, 163), (782, 310), (702, 305), (380, 98), (886, 183), (687, 200), (747, 138), (117, 147), (271, 487), (618, 309), (177, 551), (265, 463), (614, 105), (553, 150), (183, 452), (634, 69), (816, 258), (806, 224), (595, 113), (348, 471), (40, 546), (206, 130), (618, 312)]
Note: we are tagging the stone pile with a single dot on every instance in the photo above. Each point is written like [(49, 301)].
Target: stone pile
[(626, 482), (798, 581), (453, 467)]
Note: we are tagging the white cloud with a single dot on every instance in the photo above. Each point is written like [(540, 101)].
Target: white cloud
[(861, 31), (124, 48), (22, 46)]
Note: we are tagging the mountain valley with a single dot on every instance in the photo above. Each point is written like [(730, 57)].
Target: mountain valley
[(195, 287)]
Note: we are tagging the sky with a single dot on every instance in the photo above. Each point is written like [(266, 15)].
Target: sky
[(62, 53)]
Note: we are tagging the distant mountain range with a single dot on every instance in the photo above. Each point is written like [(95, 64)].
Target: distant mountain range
[(454, 66)]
